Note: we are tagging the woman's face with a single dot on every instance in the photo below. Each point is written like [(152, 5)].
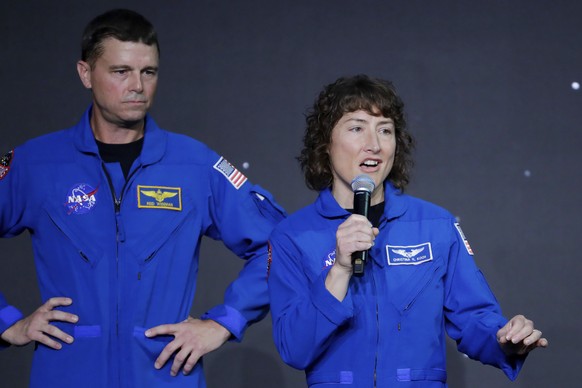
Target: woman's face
[(361, 144)]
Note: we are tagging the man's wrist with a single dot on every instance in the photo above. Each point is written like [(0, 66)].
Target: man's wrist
[(224, 332)]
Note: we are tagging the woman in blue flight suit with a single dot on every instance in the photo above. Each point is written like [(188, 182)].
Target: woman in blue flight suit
[(386, 327)]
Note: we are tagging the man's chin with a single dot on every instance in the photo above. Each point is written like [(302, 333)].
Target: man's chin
[(133, 122), (134, 116)]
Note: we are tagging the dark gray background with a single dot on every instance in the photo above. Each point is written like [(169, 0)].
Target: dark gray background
[(489, 95)]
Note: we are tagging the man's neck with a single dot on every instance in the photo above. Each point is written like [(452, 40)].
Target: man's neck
[(110, 133)]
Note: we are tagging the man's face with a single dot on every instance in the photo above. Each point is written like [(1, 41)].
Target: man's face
[(123, 81), (361, 144)]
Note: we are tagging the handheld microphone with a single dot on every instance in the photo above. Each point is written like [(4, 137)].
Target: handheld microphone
[(362, 185)]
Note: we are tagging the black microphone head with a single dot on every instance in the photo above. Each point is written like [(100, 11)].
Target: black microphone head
[(363, 183)]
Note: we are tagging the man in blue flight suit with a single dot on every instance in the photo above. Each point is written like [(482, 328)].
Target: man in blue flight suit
[(116, 208)]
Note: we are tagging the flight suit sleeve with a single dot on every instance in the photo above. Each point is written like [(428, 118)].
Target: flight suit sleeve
[(11, 209), (305, 314), (473, 315), (242, 216)]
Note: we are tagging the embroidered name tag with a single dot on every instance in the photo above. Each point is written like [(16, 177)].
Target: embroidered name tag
[(159, 197), (409, 255)]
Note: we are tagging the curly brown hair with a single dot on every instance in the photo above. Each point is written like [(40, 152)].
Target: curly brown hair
[(349, 94)]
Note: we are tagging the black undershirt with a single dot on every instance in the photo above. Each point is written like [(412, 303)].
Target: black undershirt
[(124, 154), (374, 213)]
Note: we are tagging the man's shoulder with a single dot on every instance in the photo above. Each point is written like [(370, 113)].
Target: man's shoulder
[(49, 144), (183, 141), (300, 219), (186, 149)]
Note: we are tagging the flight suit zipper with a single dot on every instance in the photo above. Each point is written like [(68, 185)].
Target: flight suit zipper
[(120, 237)]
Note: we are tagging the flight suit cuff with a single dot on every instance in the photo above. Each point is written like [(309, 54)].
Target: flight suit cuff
[(9, 315), (336, 311), (228, 317)]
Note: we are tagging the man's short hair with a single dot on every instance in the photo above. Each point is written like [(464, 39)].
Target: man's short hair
[(121, 24)]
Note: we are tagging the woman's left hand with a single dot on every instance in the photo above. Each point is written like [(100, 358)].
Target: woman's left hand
[(519, 336)]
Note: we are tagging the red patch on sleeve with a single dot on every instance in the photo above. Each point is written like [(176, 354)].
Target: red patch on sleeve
[(5, 164), (269, 259)]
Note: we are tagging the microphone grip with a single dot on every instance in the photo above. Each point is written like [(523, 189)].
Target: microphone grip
[(361, 206)]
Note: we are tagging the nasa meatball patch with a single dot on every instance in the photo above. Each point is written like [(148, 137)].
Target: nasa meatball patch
[(5, 164), (328, 260), (81, 199)]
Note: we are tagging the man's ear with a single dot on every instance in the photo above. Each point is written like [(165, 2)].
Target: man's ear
[(84, 70)]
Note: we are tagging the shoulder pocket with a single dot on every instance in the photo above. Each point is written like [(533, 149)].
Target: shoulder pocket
[(267, 205)]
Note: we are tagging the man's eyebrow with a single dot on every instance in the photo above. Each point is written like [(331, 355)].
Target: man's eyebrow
[(120, 67), (127, 67)]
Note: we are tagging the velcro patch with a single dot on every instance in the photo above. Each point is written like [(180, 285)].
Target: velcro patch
[(159, 197), (465, 241), (233, 175), (409, 255), (5, 164)]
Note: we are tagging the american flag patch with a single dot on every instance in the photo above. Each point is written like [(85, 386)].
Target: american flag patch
[(5, 164), (233, 175), (465, 241)]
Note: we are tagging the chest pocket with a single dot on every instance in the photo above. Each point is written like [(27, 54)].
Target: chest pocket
[(80, 232), (406, 283), (145, 249), (148, 229)]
